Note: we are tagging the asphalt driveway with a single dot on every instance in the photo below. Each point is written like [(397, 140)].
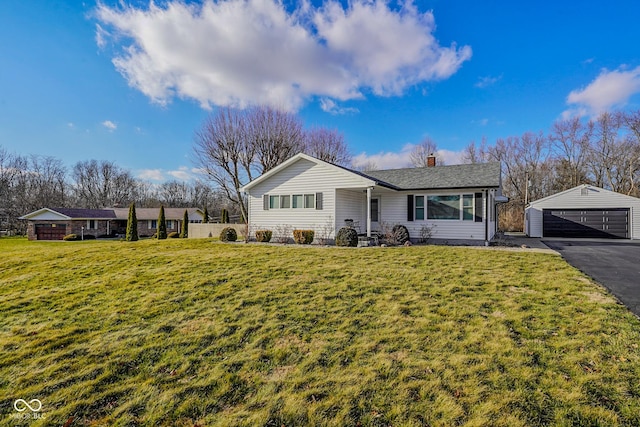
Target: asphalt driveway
[(613, 263)]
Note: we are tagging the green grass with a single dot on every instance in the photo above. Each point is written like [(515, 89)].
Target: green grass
[(191, 332)]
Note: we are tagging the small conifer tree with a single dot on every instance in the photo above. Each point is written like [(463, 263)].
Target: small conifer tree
[(205, 216), (225, 217), (162, 224), (132, 224), (184, 229)]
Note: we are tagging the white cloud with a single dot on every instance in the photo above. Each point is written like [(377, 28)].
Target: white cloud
[(481, 122), (245, 52), (331, 107), (610, 89), (401, 159), (110, 125), (487, 81), (182, 173), (101, 36), (151, 174)]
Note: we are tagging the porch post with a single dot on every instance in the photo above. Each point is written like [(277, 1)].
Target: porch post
[(368, 212)]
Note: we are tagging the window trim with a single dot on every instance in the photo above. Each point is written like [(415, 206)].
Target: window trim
[(306, 201), (419, 204), (420, 208)]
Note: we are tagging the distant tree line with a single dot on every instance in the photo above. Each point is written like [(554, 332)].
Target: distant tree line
[(31, 182), (604, 151), (234, 146)]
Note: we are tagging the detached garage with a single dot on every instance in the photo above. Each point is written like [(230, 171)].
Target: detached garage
[(584, 212)]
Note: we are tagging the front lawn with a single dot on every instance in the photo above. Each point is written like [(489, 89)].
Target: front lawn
[(192, 332)]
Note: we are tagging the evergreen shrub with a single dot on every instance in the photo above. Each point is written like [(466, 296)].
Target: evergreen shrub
[(228, 234), (347, 236)]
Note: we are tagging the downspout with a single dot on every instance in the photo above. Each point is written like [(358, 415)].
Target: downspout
[(486, 218)]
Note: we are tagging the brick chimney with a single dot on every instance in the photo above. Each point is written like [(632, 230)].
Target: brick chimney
[(431, 160)]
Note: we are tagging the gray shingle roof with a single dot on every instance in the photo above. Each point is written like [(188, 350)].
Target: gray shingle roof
[(477, 175), (86, 213), (152, 213)]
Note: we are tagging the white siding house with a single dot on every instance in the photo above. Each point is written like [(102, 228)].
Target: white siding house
[(456, 202), (584, 211)]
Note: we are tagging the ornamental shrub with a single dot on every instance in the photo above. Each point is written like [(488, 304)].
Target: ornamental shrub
[(162, 225), (184, 227), (347, 236), (400, 234), (263, 235), (228, 234), (173, 235), (132, 224), (303, 237)]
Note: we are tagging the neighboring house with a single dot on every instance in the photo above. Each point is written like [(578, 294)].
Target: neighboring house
[(55, 223), (456, 202), (584, 211)]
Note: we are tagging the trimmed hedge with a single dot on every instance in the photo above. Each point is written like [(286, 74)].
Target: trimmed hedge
[(347, 236), (228, 234), (400, 234), (264, 235), (303, 237)]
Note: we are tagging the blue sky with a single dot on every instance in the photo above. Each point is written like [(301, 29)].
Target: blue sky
[(131, 84)]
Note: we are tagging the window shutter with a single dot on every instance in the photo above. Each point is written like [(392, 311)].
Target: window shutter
[(410, 207), (265, 202), (478, 207), (319, 201)]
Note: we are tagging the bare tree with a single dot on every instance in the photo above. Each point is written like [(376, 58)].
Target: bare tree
[(631, 122), (27, 184), (223, 152), (102, 184), (233, 146), (47, 182), (275, 135), (328, 145), (570, 139), (174, 194), (420, 154), (613, 154), (146, 194), (474, 154)]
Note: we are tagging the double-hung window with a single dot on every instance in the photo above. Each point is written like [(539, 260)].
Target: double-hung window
[(285, 202), (274, 202), (467, 207), (309, 201), (419, 207)]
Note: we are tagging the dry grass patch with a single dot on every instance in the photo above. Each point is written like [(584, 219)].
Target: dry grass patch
[(186, 332)]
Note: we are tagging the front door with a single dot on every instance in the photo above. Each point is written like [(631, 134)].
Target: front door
[(375, 214)]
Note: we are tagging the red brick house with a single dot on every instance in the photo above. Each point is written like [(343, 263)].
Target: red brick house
[(55, 223)]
